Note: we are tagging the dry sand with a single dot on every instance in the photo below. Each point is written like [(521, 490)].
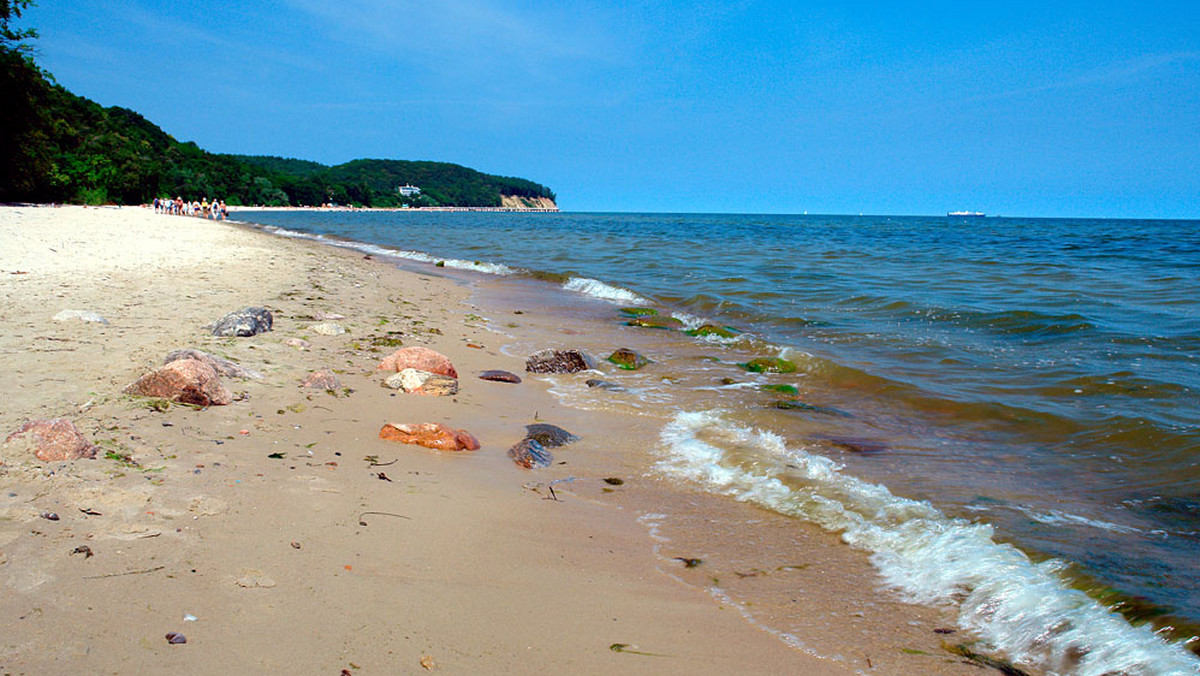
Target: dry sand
[(478, 573)]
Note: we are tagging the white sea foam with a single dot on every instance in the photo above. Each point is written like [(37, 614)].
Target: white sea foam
[(1020, 608), (1056, 517), (375, 250), (598, 289)]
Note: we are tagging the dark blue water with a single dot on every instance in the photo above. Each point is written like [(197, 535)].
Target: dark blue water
[(1041, 376)]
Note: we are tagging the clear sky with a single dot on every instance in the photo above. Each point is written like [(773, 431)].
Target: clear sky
[(1048, 108)]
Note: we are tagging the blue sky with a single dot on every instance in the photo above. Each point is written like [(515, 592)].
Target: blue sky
[(1015, 108)]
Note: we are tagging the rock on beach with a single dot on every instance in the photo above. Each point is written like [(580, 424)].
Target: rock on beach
[(528, 453), (222, 366), (187, 381), (52, 440), (327, 329), (416, 381), (497, 376), (249, 321), (430, 435), (420, 358), (557, 361), (550, 436), (323, 379), (628, 359), (533, 451)]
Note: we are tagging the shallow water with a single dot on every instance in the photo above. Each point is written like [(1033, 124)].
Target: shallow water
[(961, 384)]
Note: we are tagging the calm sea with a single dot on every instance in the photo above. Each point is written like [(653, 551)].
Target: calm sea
[(1004, 411)]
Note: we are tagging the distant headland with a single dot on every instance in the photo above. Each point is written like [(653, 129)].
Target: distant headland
[(58, 147)]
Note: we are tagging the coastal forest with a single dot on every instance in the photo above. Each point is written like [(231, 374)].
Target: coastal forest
[(56, 146)]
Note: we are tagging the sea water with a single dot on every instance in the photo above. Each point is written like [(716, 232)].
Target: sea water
[(1005, 413)]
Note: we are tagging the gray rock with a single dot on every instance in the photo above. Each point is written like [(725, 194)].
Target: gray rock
[(82, 315), (550, 436), (221, 366), (249, 321), (605, 385), (528, 453), (558, 361)]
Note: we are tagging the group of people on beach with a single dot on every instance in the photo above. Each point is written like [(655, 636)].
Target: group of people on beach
[(215, 210)]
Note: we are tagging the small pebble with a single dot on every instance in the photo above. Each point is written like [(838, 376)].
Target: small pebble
[(175, 638), (49, 516)]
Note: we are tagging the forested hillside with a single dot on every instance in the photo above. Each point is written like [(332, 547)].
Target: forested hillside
[(59, 147)]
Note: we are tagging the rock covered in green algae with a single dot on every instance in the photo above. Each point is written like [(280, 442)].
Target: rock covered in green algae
[(769, 365), (638, 311), (782, 389), (656, 322), (628, 359), (713, 330)]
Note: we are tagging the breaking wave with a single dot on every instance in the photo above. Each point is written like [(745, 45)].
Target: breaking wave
[(1020, 608)]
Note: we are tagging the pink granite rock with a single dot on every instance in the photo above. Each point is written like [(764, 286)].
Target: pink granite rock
[(187, 381), (53, 440), (430, 435), (322, 380), (420, 358)]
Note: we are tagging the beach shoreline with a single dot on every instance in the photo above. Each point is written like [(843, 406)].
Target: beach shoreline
[(478, 568)]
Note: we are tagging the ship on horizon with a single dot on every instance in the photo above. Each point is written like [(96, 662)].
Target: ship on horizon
[(970, 214)]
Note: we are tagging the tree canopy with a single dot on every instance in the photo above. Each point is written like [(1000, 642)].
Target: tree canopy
[(59, 147)]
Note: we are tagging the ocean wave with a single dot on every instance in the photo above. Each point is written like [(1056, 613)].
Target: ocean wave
[(1023, 609), (485, 267), (598, 289), (1055, 517)]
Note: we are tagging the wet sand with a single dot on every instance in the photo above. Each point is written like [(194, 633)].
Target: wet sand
[(471, 566)]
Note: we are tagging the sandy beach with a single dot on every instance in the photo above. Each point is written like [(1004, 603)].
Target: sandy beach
[(279, 534)]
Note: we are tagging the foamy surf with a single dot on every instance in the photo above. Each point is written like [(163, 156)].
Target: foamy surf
[(598, 289), (1019, 608)]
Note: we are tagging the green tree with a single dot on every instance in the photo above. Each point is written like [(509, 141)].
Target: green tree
[(11, 38)]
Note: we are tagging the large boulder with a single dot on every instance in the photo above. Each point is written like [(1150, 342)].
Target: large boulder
[(528, 453), (52, 440), (187, 381), (430, 435), (221, 366), (416, 381), (558, 361), (249, 321), (420, 358)]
